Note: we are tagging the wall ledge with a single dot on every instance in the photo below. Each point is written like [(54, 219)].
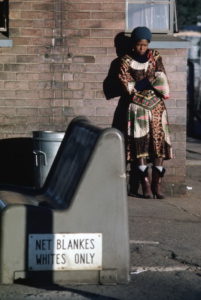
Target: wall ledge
[(6, 43), (167, 41)]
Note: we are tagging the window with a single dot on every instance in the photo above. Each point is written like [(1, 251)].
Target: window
[(159, 16), (4, 16)]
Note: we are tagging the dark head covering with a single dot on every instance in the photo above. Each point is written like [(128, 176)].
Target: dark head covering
[(141, 33)]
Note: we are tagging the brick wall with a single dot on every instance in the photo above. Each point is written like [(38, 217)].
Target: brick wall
[(55, 69), (61, 54), (90, 29), (175, 61)]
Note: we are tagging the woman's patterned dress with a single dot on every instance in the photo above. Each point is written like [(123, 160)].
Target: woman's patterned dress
[(148, 130)]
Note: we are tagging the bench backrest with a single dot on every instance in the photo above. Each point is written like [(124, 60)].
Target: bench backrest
[(70, 162)]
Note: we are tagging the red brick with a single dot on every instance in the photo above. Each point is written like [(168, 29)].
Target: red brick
[(76, 32), (45, 111), (26, 94), (100, 95), (40, 85), (88, 24), (16, 85), (38, 68), (7, 76), (43, 6), (96, 68), (14, 50), (93, 85), (107, 15), (76, 102), (95, 102), (168, 52), (68, 94), (113, 6), (88, 50), (102, 33), (170, 69), (46, 94), (83, 59), (7, 59), (104, 60), (113, 24), (14, 14), (77, 68), (178, 77), (7, 94), (21, 40), (89, 94), (49, 23), (101, 111), (181, 103), (59, 102), (111, 52), (32, 32), (21, 23), (44, 76), (29, 59), (89, 42), (174, 60), (40, 41), (79, 15), (75, 85), (48, 32), (31, 103), (69, 111), (15, 32), (78, 94), (27, 111), (96, 1), (32, 15), (22, 5), (86, 111), (107, 42), (87, 77), (58, 76), (170, 103), (182, 52), (8, 111)]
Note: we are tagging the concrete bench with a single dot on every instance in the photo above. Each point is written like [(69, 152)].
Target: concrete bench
[(75, 228)]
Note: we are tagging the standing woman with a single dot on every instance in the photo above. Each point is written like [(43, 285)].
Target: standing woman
[(143, 77)]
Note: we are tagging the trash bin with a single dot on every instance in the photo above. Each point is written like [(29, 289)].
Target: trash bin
[(196, 128), (16, 161), (45, 147)]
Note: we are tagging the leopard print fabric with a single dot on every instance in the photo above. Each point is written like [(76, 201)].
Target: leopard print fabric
[(148, 133)]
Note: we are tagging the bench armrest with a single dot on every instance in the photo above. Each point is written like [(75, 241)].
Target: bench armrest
[(28, 190)]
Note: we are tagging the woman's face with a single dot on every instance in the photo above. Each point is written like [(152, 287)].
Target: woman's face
[(141, 47)]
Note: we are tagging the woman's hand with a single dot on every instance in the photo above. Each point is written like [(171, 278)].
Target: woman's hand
[(143, 84)]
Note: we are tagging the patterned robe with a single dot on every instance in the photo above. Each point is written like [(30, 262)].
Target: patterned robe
[(148, 130)]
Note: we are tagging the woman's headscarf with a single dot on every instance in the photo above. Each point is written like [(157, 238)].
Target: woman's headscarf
[(141, 33)]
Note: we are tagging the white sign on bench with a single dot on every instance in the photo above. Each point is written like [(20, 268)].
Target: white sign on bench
[(63, 251)]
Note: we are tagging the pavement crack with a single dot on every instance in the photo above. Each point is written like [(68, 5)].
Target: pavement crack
[(183, 261), (184, 210)]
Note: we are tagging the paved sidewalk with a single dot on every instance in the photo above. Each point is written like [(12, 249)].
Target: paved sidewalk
[(166, 234), (169, 229), (191, 202)]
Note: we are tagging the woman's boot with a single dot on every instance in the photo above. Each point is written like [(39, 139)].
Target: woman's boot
[(134, 181), (157, 174), (144, 178)]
